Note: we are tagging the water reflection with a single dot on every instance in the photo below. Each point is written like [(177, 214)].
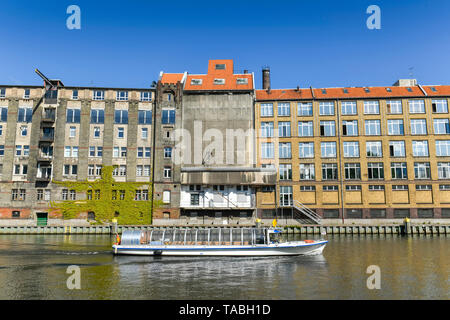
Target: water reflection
[(34, 267)]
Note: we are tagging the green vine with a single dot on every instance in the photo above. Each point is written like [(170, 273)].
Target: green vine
[(108, 199)]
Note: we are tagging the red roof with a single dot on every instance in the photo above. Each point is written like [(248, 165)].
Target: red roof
[(351, 93), (220, 76), (171, 77)]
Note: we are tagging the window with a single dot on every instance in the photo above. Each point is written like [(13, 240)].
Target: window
[(443, 170), (425, 213), (92, 152), (284, 129), (267, 151), (167, 172), (123, 152), (143, 170), (196, 82), (306, 149), (266, 110), (285, 172), (122, 96), (3, 114), (96, 132), (2, 93), (416, 106), (348, 108), (2, 150), (120, 170), (399, 170), (120, 132), (420, 148), (146, 96), (328, 149), (266, 129), (241, 81), (220, 66), (329, 171), (375, 170), (305, 129), (121, 116), (74, 94), (395, 127), (399, 187), (371, 107), (353, 188), (442, 148), (418, 126), (166, 196), (26, 93), (284, 150), (98, 170), (307, 188), (422, 170), (21, 169), (441, 126), (195, 199), (394, 106), (352, 171), (70, 169), (350, 128), (23, 131), (24, 114), (439, 106), (284, 109), (144, 133), (18, 194), (97, 116), (330, 188), (423, 187), (72, 132), (397, 148), (374, 149), (351, 149), (326, 108), (373, 127), (167, 152), (327, 129), (1, 129), (73, 115), (98, 95), (304, 109), (115, 152), (145, 117), (444, 187), (91, 170), (307, 171), (143, 152), (168, 117), (286, 196), (376, 187)]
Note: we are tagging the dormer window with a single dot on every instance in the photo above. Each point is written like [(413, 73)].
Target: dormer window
[(220, 66), (219, 81), (196, 82), (241, 81), (26, 94)]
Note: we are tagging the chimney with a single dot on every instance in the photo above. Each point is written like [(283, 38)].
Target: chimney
[(266, 78), (245, 71)]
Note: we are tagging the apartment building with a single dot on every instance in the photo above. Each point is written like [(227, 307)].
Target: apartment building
[(69, 134), (356, 152)]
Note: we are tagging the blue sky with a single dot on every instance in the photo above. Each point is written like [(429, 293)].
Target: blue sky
[(315, 42)]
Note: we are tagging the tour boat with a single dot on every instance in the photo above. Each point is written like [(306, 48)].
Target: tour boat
[(213, 242)]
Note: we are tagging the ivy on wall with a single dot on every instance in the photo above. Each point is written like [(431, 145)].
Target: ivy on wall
[(108, 199)]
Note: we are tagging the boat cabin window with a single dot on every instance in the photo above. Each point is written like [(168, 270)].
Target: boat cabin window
[(275, 237)]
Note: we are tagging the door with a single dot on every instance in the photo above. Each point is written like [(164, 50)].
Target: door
[(42, 218)]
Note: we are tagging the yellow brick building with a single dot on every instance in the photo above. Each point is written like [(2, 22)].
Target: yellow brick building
[(367, 152)]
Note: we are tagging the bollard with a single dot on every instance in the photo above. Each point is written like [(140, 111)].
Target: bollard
[(114, 228), (257, 222), (407, 226)]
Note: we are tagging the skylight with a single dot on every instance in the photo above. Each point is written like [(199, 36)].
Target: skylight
[(409, 89), (366, 90), (388, 90), (345, 91), (433, 89), (324, 91)]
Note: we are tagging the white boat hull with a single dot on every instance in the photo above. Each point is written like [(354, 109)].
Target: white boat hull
[(281, 249)]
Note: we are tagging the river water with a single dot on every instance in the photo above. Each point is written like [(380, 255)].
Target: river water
[(34, 267)]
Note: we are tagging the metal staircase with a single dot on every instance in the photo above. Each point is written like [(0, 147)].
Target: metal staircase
[(306, 211)]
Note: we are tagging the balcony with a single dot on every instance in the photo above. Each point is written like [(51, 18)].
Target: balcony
[(44, 178), (49, 115), (47, 137), (44, 158)]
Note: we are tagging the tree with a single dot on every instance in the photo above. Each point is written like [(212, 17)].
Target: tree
[(128, 202)]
